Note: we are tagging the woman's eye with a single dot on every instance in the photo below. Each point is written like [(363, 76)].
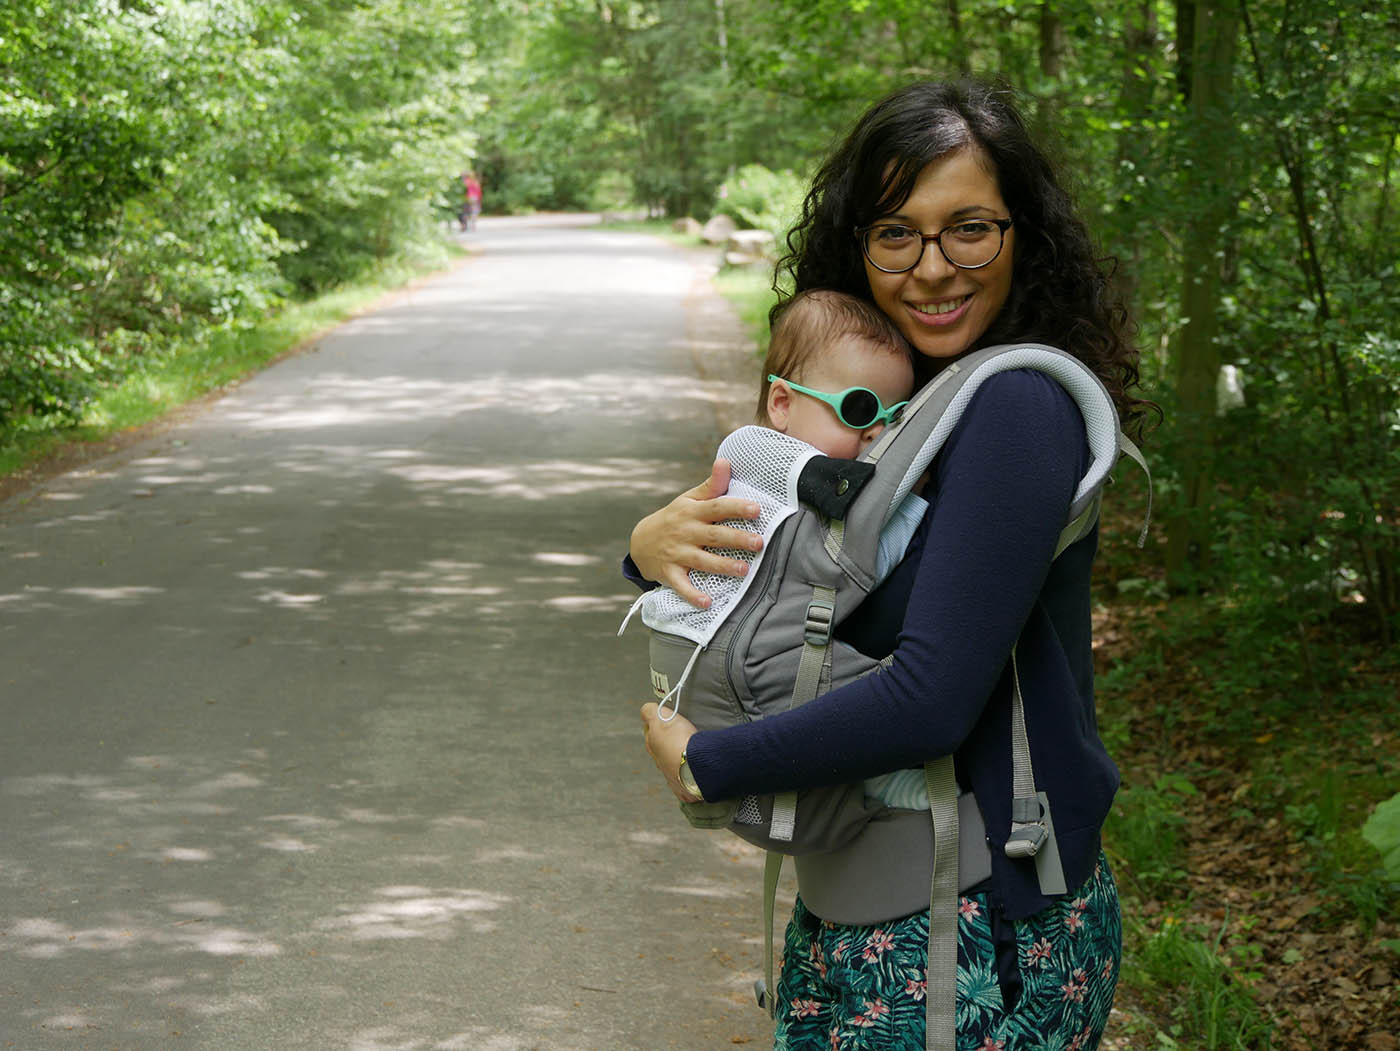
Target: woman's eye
[(972, 231), (894, 234)]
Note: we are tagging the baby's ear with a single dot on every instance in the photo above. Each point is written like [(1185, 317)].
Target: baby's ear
[(779, 405)]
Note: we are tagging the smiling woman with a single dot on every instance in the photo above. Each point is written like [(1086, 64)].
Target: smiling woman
[(940, 210)]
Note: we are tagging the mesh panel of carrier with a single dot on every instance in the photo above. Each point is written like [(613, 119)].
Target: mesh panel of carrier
[(765, 465)]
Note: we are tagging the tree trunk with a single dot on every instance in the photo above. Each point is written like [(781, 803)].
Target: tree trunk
[(1196, 360), (959, 44)]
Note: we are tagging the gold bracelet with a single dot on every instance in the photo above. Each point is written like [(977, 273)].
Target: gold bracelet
[(688, 779)]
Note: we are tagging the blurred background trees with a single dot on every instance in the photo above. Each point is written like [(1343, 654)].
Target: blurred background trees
[(172, 166)]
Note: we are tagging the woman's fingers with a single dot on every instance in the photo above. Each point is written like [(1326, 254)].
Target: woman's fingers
[(715, 485), (670, 542)]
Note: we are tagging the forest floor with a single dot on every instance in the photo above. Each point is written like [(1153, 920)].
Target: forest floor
[(1248, 923)]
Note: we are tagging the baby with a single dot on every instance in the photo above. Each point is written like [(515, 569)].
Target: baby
[(837, 372)]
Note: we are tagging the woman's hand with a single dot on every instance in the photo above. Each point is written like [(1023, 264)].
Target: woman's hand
[(668, 543), (666, 741)]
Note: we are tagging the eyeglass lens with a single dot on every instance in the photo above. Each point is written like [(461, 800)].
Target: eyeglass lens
[(895, 248), (859, 408)]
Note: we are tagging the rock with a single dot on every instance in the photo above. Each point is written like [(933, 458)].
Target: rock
[(688, 226), (718, 230), (749, 248), (757, 243)]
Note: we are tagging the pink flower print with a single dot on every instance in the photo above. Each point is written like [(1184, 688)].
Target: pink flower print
[(992, 1045), (874, 1010), (1038, 954), (1107, 971), (839, 953), (916, 989), (969, 908), (818, 961), (804, 1008), (1074, 921), (876, 945), (1078, 1041), (1074, 988), (1079, 904), (835, 1038)]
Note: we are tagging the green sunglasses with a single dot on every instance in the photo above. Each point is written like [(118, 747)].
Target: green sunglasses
[(856, 407)]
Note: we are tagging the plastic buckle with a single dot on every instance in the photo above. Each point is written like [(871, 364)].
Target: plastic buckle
[(817, 628), (1026, 841)]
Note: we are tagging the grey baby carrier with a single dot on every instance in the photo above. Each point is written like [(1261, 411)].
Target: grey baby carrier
[(765, 643)]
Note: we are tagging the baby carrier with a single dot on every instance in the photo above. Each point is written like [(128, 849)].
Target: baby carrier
[(765, 643)]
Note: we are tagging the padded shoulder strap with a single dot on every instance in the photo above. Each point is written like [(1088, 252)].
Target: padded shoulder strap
[(905, 450)]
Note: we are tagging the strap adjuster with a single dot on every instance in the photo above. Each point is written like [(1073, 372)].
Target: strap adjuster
[(1025, 810), (816, 630), (1026, 840)]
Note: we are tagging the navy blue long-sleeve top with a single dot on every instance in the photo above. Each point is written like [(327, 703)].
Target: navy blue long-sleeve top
[(977, 579)]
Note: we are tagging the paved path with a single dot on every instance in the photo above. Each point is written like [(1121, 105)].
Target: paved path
[(315, 730)]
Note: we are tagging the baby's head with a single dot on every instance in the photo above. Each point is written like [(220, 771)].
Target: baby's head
[(828, 342)]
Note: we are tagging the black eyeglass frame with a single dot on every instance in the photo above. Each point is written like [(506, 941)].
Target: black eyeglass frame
[(1002, 226)]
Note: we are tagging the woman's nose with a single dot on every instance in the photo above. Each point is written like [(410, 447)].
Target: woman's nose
[(933, 264)]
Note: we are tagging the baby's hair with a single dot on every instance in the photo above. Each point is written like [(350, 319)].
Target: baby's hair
[(810, 323)]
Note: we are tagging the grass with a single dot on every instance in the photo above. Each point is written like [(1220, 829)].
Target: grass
[(186, 370)]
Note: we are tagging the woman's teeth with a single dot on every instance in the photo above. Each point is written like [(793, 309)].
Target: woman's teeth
[(946, 307)]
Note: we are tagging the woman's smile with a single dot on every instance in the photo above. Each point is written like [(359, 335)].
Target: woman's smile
[(941, 312)]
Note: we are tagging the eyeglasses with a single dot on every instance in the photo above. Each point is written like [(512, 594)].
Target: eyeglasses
[(969, 245), (856, 407)]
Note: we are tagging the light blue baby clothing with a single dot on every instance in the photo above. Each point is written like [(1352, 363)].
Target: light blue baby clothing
[(903, 788)]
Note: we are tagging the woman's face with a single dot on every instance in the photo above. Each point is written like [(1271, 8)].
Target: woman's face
[(943, 310)]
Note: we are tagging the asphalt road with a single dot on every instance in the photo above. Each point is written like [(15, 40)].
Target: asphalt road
[(316, 732)]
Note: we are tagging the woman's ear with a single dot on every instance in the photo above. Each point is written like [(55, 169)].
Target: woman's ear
[(779, 405)]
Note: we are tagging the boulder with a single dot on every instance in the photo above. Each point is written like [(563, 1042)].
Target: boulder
[(718, 230), (749, 248), (688, 226)]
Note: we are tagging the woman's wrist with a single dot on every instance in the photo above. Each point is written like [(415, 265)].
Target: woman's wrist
[(687, 778)]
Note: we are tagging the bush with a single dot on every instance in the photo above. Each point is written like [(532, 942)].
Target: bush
[(759, 199)]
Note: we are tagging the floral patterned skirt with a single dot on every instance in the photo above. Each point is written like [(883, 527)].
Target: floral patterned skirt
[(1044, 983)]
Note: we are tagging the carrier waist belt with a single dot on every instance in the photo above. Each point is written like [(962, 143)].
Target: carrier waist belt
[(884, 872)]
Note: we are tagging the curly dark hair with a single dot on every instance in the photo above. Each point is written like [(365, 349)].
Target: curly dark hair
[(1061, 288)]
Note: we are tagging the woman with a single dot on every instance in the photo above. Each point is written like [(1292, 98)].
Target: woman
[(940, 210)]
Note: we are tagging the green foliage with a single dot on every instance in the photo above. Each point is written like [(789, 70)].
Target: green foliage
[(182, 164), (1212, 1008), (759, 199), (1382, 831), (1144, 831)]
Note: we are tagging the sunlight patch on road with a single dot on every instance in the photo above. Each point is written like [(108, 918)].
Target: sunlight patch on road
[(584, 603), (131, 593), (565, 558), (288, 845), (413, 912), (289, 600), (699, 890), (45, 939), (186, 854)]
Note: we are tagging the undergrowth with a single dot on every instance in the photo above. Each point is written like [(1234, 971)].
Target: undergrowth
[(181, 370)]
